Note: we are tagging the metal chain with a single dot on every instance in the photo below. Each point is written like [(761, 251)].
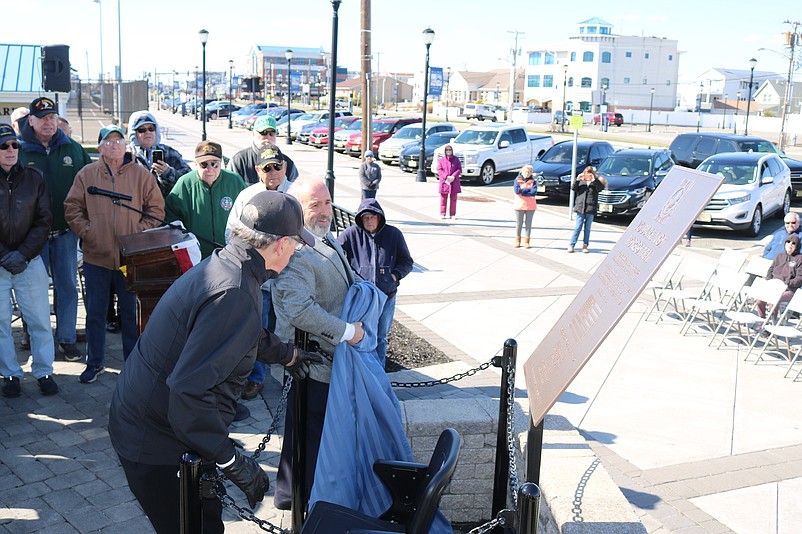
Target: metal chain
[(431, 383), (580, 491), (505, 517), (490, 525), (282, 405), (510, 434), (244, 513)]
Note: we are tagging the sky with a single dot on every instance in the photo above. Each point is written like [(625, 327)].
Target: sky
[(162, 35)]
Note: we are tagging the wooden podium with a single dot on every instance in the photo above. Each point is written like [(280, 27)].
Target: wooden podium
[(151, 267)]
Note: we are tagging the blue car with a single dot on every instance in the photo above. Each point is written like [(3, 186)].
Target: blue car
[(409, 156)]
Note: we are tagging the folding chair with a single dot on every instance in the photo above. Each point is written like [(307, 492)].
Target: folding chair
[(770, 292), (692, 284), (732, 259), (720, 296), (758, 266), (663, 280), (784, 329)]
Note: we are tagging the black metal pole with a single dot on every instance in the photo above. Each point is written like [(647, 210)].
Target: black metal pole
[(534, 451), (196, 93), (230, 94), (289, 97), (528, 511), (203, 96), (335, 5), (189, 474), (502, 471), (421, 176), (749, 100), (298, 500), (651, 104)]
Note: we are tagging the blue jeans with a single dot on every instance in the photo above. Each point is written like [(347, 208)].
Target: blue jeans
[(368, 193), (31, 289), (586, 220), (259, 368), (383, 328), (60, 256), (98, 281)]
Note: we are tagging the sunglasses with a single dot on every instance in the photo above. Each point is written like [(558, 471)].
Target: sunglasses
[(12, 144), (267, 167), (143, 130), (267, 132), (212, 164)]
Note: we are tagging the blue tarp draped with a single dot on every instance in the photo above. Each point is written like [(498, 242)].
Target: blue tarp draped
[(363, 419)]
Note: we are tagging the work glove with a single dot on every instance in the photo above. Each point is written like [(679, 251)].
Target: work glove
[(248, 476), (300, 368), (14, 262)]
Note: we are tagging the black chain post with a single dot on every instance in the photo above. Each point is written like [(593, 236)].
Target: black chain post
[(189, 473), (534, 451), (528, 511), (502, 471), (298, 501)]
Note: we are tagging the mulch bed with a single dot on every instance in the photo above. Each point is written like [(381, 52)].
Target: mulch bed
[(406, 350)]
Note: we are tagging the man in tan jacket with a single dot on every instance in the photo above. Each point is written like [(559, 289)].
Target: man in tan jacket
[(97, 222)]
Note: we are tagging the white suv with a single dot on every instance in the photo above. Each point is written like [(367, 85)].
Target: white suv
[(479, 111), (756, 184)]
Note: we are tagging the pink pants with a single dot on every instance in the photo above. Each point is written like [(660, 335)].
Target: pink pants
[(452, 210)]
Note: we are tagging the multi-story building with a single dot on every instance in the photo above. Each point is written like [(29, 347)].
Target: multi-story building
[(309, 66), (595, 65)]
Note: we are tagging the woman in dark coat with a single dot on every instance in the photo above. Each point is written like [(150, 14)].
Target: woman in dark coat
[(787, 266), (586, 197), (449, 170)]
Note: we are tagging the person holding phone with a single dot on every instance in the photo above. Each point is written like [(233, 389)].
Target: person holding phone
[(586, 190), (164, 162), (524, 204)]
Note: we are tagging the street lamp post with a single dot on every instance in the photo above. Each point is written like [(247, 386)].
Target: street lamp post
[(173, 105), (195, 92), (651, 105), (230, 91), (288, 55), (448, 78), (102, 92), (699, 106), (724, 120), (428, 39), (737, 107), (335, 5), (204, 37), (603, 106), (565, 84), (752, 64)]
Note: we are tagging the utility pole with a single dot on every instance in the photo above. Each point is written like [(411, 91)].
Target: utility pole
[(791, 42), (515, 52), (367, 120)]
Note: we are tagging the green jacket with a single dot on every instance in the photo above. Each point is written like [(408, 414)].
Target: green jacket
[(60, 163), (204, 210)]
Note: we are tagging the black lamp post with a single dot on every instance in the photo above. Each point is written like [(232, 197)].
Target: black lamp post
[(565, 84), (230, 91), (651, 104), (428, 38), (174, 105), (335, 5), (448, 79), (195, 91), (204, 36), (752, 63), (604, 120), (737, 106), (288, 55)]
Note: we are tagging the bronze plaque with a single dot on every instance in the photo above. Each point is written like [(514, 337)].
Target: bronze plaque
[(616, 284)]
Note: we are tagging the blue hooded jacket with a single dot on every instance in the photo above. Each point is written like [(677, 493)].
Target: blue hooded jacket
[(173, 158)]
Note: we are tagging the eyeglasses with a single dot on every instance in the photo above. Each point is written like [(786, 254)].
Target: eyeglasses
[(114, 142), (143, 130), (12, 144), (212, 164), (298, 245), (267, 132), (267, 167)]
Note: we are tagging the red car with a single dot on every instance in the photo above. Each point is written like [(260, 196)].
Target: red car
[(612, 118), (383, 129), (319, 137)]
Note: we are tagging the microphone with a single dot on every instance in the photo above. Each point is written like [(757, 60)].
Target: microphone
[(92, 190)]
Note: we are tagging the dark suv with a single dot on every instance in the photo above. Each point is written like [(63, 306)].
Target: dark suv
[(691, 149), (632, 176), (552, 171)]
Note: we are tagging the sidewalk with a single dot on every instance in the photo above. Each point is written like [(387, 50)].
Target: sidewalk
[(723, 455)]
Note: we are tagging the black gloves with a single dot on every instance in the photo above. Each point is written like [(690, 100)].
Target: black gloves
[(14, 262), (300, 368), (249, 477)]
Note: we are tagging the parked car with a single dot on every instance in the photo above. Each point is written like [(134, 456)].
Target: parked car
[(409, 157), (756, 185), (552, 171), (312, 117), (389, 150), (479, 111), (219, 109), (246, 110), (612, 118), (632, 176), (691, 149), (341, 137), (320, 135), (383, 129)]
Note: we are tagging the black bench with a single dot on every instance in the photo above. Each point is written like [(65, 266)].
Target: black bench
[(342, 218)]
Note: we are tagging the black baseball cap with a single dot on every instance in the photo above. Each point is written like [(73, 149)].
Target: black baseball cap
[(276, 213)]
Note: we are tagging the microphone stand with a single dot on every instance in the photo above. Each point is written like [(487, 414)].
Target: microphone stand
[(118, 202)]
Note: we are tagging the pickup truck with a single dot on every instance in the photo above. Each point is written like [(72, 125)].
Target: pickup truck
[(487, 150)]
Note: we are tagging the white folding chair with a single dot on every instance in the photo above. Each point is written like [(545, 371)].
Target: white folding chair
[(720, 296), (768, 291), (732, 259), (692, 284), (663, 280), (784, 328), (758, 266)]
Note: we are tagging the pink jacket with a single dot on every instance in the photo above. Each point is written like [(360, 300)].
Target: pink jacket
[(450, 166)]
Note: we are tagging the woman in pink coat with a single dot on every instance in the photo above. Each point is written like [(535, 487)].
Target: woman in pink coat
[(449, 170)]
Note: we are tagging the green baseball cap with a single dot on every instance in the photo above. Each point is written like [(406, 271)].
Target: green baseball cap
[(264, 123), (113, 128)]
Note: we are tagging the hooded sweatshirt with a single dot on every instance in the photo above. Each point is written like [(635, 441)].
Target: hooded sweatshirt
[(788, 267), (144, 156), (375, 257)]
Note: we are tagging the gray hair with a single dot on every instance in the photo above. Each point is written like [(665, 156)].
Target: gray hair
[(302, 185), (253, 238)]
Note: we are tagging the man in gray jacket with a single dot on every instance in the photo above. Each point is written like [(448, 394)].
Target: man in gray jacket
[(309, 295)]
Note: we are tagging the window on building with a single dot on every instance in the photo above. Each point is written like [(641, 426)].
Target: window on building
[(605, 82), (571, 81), (534, 58), (587, 57), (645, 81), (573, 56), (548, 80), (671, 57), (548, 59), (607, 57), (591, 29), (587, 82), (584, 106), (629, 54), (533, 81), (626, 80), (605, 31), (646, 55)]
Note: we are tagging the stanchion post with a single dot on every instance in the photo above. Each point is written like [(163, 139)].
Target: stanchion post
[(298, 501), (528, 511), (189, 474), (502, 472), (534, 451)]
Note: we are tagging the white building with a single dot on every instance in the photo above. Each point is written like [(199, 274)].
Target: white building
[(721, 84), (595, 65)]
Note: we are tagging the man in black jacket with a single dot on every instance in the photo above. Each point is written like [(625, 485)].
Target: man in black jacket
[(24, 227), (179, 388)]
